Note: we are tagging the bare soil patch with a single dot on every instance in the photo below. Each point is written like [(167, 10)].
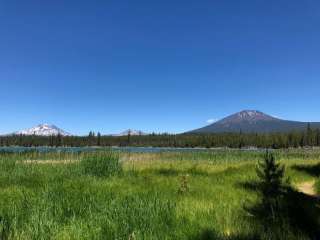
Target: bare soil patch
[(307, 188)]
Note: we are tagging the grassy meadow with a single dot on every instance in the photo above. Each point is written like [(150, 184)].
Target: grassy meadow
[(168, 195)]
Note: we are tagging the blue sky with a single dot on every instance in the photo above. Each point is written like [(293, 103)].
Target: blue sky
[(163, 66)]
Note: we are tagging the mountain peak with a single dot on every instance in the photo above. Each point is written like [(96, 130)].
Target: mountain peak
[(248, 116), (254, 121), (44, 129), (131, 132), (251, 112), (46, 126)]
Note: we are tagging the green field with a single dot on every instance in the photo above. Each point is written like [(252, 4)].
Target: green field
[(202, 195)]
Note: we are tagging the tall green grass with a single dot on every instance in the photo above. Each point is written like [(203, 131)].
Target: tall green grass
[(105, 195), (101, 164)]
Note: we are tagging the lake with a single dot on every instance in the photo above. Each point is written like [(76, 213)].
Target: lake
[(16, 149)]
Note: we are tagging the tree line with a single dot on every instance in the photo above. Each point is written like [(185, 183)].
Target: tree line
[(309, 137)]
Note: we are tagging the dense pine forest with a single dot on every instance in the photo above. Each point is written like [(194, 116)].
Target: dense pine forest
[(310, 137)]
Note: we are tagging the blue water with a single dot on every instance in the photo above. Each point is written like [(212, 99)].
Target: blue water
[(120, 149)]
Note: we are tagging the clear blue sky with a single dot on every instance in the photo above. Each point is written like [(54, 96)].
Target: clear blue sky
[(158, 66)]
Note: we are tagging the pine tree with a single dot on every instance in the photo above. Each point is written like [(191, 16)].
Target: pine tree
[(20, 139), (302, 141), (318, 137), (129, 138), (271, 179), (59, 140), (98, 139), (309, 135), (240, 145)]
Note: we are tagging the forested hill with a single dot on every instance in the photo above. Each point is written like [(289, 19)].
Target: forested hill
[(309, 137)]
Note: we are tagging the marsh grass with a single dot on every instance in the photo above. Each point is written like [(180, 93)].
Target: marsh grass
[(105, 195), (101, 164)]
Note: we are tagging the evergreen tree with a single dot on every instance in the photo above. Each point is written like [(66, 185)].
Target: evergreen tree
[(240, 140), (271, 175), (309, 135), (98, 139), (303, 141), (91, 134), (318, 137), (129, 138), (59, 140)]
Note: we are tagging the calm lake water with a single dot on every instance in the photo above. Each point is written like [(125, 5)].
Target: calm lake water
[(120, 149)]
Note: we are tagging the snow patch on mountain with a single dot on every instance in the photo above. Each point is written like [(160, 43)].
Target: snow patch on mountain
[(248, 116), (43, 130), (131, 132)]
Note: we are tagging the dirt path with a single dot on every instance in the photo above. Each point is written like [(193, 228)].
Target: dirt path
[(307, 188)]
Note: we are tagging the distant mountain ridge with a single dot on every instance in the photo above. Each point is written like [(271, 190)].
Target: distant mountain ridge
[(253, 121), (247, 121), (131, 132), (43, 130), (52, 130)]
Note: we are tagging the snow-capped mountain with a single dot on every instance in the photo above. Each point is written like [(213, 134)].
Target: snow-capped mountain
[(253, 121), (131, 132), (250, 116), (43, 130)]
